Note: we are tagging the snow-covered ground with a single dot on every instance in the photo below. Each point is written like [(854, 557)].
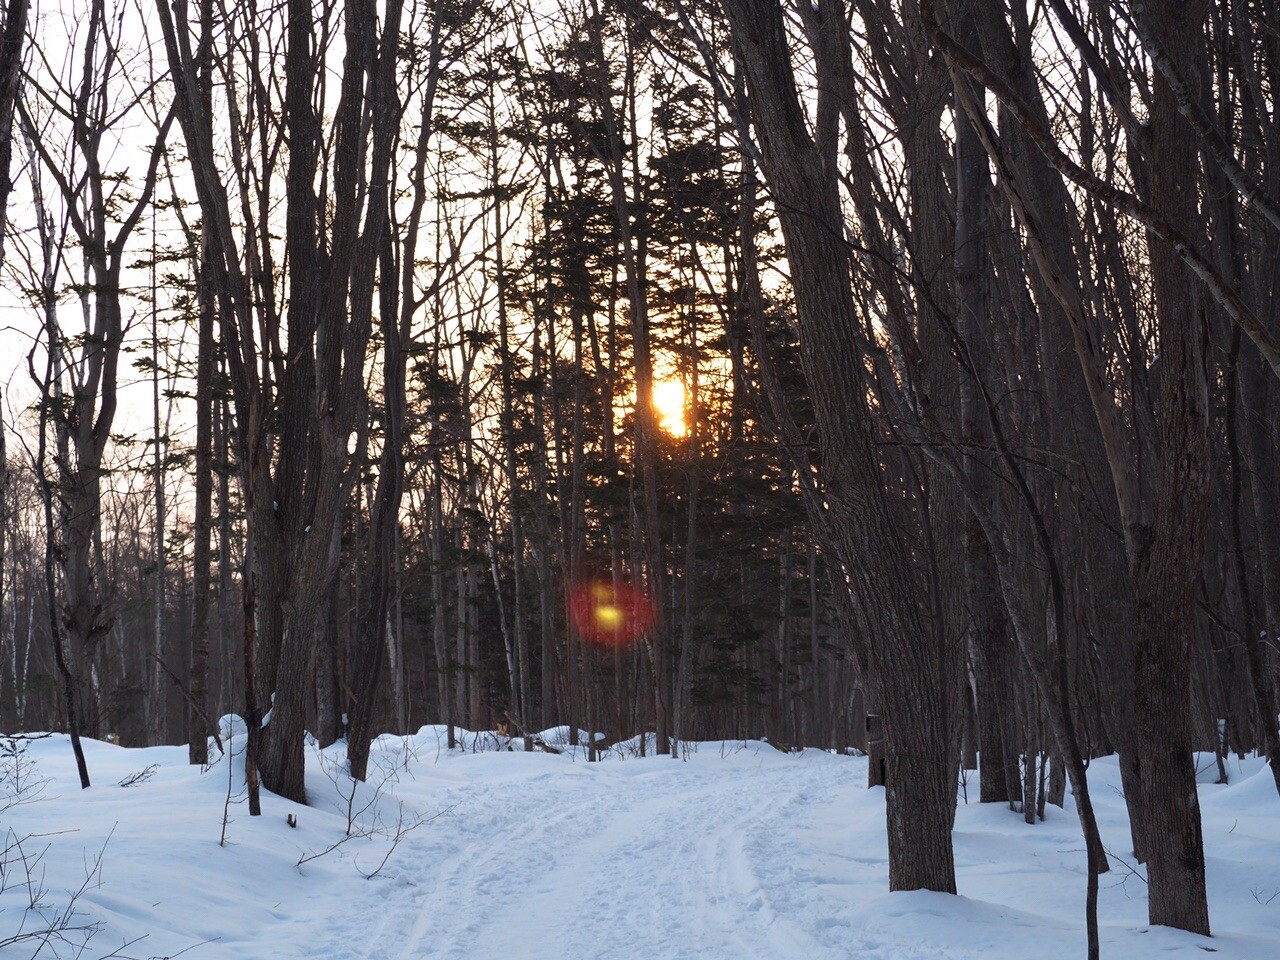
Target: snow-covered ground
[(738, 852)]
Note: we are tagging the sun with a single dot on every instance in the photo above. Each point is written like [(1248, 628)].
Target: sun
[(669, 404)]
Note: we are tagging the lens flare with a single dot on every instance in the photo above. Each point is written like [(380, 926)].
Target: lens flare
[(610, 614)]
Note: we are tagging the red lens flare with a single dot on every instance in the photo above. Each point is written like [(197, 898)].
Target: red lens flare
[(610, 614)]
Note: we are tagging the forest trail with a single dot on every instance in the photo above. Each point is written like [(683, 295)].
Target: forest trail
[(740, 852), (666, 860)]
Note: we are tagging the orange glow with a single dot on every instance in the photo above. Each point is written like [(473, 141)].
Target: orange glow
[(609, 615), (670, 405)]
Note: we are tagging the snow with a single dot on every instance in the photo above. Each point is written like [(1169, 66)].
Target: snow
[(736, 851)]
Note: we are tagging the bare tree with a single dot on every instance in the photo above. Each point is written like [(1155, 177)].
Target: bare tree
[(103, 216)]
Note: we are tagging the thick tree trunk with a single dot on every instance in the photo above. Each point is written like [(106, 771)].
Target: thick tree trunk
[(921, 787), (1166, 557)]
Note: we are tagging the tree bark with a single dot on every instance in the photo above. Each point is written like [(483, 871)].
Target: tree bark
[(921, 788)]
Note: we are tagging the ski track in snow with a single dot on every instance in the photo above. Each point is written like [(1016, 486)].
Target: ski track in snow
[(677, 865), (554, 872)]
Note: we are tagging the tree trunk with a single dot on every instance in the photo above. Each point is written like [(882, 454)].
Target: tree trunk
[(1166, 556), (198, 721), (921, 788)]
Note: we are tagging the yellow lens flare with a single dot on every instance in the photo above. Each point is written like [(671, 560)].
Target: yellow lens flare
[(670, 405), (609, 613), (609, 617)]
